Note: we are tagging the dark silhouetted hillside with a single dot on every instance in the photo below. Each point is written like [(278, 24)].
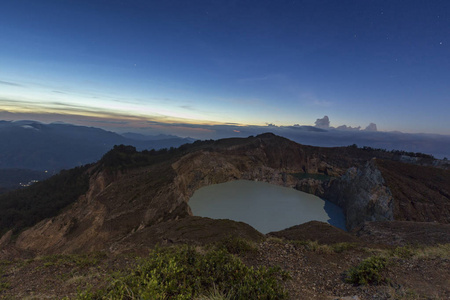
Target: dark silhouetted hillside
[(37, 146)]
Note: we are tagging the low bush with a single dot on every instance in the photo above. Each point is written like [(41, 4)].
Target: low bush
[(369, 271), (403, 252), (184, 273)]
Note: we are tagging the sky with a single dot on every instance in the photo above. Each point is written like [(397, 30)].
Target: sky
[(151, 64)]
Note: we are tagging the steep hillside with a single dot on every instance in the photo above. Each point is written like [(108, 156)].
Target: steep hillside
[(421, 193), (24, 208)]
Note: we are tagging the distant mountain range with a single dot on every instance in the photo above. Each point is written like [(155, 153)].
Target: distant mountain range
[(37, 146)]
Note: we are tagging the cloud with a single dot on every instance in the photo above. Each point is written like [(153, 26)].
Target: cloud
[(109, 122), (323, 123), (10, 83), (322, 103), (188, 107), (371, 127), (345, 127)]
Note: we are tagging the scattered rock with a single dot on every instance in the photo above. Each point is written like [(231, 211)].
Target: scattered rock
[(401, 233)]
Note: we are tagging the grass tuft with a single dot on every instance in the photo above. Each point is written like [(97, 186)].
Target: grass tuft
[(79, 260), (315, 246), (237, 245)]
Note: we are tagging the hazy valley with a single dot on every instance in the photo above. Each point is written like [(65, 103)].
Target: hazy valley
[(35, 151)]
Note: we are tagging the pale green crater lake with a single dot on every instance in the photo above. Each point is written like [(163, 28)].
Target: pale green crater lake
[(264, 206)]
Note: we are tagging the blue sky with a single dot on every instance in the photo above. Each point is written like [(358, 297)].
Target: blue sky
[(220, 62)]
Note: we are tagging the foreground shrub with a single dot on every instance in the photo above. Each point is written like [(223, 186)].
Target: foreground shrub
[(369, 271), (184, 273)]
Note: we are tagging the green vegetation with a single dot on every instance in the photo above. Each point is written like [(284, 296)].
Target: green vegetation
[(10, 178), (369, 271), (395, 152), (213, 295), (209, 273), (3, 284), (79, 260), (402, 252), (438, 251), (185, 273), (126, 157), (342, 247), (312, 246), (420, 252), (236, 245), (26, 207), (315, 246)]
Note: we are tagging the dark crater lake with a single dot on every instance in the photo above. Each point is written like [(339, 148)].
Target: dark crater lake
[(264, 206)]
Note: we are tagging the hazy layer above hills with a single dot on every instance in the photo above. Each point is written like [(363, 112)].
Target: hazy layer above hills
[(434, 144), (37, 146)]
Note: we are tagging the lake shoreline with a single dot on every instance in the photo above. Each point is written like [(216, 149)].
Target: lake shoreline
[(266, 207)]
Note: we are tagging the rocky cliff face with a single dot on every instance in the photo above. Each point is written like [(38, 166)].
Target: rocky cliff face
[(363, 195), (388, 190)]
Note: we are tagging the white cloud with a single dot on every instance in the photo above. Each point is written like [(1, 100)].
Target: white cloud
[(345, 127), (323, 123)]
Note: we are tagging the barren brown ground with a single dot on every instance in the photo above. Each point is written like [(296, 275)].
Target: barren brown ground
[(317, 269)]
